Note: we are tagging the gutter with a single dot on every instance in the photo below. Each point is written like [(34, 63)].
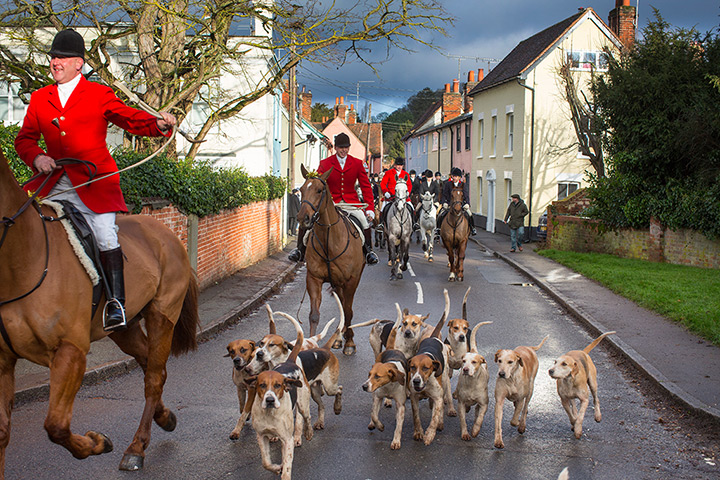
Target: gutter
[(532, 153)]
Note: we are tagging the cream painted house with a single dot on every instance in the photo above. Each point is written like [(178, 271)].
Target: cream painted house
[(523, 140)]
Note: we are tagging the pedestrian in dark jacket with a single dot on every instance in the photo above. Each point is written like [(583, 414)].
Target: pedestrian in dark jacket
[(516, 212)]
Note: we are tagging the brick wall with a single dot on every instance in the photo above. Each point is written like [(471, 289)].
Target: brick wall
[(228, 241), (656, 244)]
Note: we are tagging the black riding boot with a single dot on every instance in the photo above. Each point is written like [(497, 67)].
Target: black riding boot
[(370, 257), (415, 225), (440, 218), (298, 253), (471, 221), (112, 264)]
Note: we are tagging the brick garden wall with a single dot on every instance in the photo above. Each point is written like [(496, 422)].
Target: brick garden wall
[(657, 244), (228, 241)]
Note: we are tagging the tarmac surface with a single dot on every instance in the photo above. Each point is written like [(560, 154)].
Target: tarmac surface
[(680, 363)]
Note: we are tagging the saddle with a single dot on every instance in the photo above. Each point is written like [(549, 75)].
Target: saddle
[(83, 242)]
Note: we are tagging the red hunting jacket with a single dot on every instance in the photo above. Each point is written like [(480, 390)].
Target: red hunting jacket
[(79, 131), (388, 182), (341, 182)]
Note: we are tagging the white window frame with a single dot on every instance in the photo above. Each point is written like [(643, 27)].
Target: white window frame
[(435, 141), (481, 136), (567, 185), (444, 139), (587, 60), (494, 134), (510, 120)]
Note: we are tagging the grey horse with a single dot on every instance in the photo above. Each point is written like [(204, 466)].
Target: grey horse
[(398, 228), (427, 224)]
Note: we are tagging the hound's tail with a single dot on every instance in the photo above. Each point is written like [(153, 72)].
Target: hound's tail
[(365, 324), (473, 340), (596, 341), (438, 327), (333, 338), (300, 337), (325, 330), (541, 343), (271, 319), (464, 316)]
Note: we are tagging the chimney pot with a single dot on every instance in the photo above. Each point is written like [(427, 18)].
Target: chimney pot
[(337, 100), (342, 100), (471, 76), (481, 74), (447, 88), (456, 86)]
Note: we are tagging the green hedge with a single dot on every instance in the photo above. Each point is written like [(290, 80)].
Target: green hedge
[(194, 187)]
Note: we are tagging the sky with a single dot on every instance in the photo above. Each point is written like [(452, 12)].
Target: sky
[(483, 29)]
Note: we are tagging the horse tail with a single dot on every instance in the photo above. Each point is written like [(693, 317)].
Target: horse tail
[(185, 332)]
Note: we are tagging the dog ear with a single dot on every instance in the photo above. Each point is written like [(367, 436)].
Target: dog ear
[(252, 344), (482, 359), (575, 369), (520, 361), (405, 311), (227, 354), (424, 317), (251, 380), (288, 345), (497, 356), (293, 382), (436, 365)]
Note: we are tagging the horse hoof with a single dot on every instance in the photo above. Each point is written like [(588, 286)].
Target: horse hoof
[(337, 344), (171, 423), (390, 263), (430, 259), (349, 350), (399, 276), (131, 463), (451, 279)]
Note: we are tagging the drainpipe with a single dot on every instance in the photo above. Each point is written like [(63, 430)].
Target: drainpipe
[(532, 153)]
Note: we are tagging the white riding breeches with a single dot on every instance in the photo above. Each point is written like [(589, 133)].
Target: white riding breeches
[(355, 212), (102, 224)]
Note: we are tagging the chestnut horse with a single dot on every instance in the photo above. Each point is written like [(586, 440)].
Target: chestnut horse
[(334, 252), (454, 232), (46, 315)]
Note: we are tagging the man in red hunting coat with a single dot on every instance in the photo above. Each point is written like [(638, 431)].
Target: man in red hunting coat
[(72, 116), (387, 186), (346, 172)]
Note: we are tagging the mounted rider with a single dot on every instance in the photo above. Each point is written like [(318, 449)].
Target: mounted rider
[(427, 184), (455, 181), (387, 186), (346, 172), (72, 116)]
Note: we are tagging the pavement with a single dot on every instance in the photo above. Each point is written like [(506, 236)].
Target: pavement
[(681, 364)]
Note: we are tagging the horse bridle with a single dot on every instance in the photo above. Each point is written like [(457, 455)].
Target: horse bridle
[(10, 221), (314, 220)]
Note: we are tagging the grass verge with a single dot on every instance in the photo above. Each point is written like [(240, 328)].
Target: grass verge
[(688, 295)]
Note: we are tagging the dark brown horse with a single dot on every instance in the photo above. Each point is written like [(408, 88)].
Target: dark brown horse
[(47, 316), (454, 232), (334, 251)]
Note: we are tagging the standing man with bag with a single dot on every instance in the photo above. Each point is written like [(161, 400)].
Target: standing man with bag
[(346, 172), (72, 116), (516, 212)]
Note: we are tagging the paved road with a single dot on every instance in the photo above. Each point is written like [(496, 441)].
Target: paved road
[(641, 436)]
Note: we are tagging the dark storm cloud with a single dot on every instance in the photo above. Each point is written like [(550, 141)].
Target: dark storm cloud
[(482, 28)]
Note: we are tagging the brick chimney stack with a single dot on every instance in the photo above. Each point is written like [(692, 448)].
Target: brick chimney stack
[(622, 22), (341, 108), (352, 115), (451, 101), (471, 83), (305, 104)]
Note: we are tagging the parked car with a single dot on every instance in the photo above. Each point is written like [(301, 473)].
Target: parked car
[(542, 227)]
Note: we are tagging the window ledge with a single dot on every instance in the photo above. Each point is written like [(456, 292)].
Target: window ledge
[(508, 156)]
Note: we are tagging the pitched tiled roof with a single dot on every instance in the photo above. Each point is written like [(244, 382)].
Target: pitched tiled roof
[(525, 54), (361, 131)]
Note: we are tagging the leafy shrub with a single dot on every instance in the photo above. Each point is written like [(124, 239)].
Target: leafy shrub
[(194, 187)]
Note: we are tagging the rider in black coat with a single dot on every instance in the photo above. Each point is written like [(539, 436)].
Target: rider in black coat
[(455, 180)]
